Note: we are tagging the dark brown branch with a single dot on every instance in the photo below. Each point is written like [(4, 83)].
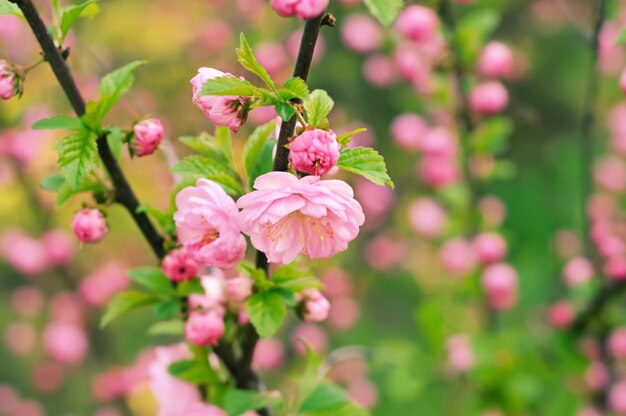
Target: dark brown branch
[(124, 194)]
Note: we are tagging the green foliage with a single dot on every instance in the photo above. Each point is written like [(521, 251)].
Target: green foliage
[(191, 371), (198, 166), (267, 311), (78, 157), (324, 396), (366, 162), (246, 58), (257, 152), (168, 309), (189, 287), (153, 279), (285, 110), (58, 123), (492, 135), (318, 105), (6, 8), (385, 11), (237, 401), (473, 29), (175, 327), (52, 183), (228, 86), (70, 14), (115, 140), (295, 88), (125, 302), (344, 139)]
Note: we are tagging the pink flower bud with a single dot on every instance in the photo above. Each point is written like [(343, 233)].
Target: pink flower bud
[(561, 315), (27, 301), (89, 225), (316, 306), (460, 353), (304, 9), (60, 247), (438, 171), (427, 217), (269, 354), (617, 397), (344, 313), (495, 61), (10, 80), (617, 343), (379, 71), (239, 288), (363, 392), (407, 131), (204, 328), (596, 375), (610, 173), (213, 297), (492, 210), (314, 152), (418, 23), (103, 283), (47, 377), (310, 335), (500, 285), (20, 338), (361, 33), (458, 257), (439, 141), (178, 266), (65, 343), (489, 98), (577, 271), (490, 247), (148, 136)]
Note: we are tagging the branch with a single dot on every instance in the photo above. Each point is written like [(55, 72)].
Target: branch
[(124, 194)]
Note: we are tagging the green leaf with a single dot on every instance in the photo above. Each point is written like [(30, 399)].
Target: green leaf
[(325, 396), (366, 162), (58, 123), (199, 166), (191, 371), (318, 105), (72, 13), (236, 401), (621, 38), (246, 58), (153, 279), (189, 287), (78, 157), (224, 142), (52, 183), (228, 86), (115, 139), (205, 145), (344, 139), (126, 302), (264, 162), (168, 309), (174, 327), (285, 110), (342, 409), (295, 88), (385, 11), (492, 135), (473, 29), (254, 145), (267, 311), (6, 8)]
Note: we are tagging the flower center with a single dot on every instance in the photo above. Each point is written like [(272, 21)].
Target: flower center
[(211, 235), (309, 227)]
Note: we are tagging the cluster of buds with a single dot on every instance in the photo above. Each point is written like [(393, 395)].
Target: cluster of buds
[(11, 80)]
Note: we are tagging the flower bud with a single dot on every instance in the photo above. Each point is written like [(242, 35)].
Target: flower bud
[(204, 328), (617, 397), (499, 282), (407, 131), (458, 257), (314, 152), (178, 266), (304, 9), (489, 98), (622, 81), (427, 217), (578, 270), (617, 343), (418, 23), (10, 80), (239, 288), (361, 33), (490, 247), (315, 306), (65, 343), (561, 315), (495, 61), (148, 136), (89, 225)]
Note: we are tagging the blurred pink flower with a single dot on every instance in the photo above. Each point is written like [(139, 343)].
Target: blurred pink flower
[(596, 375), (617, 397), (314, 152), (20, 338), (439, 141), (610, 174), (10, 82), (239, 288), (304, 9), (23, 253), (27, 301), (490, 247), (458, 257), (213, 297), (617, 343), (496, 61), (336, 282), (66, 307), (65, 343), (269, 354), (344, 312), (287, 216), (103, 283), (379, 70), (60, 247), (47, 377), (488, 98), (310, 335), (418, 23), (315, 306), (215, 36), (363, 392), (427, 217), (385, 252), (493, 210), (376, 200), (204, 328), (460, 353), (272, 56), (408, 130), (499, 282), (561, 314), (438, 171), (577, 270), (361, 33)]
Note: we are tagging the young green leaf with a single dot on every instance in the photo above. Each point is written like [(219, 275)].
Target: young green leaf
[(267, 311), (115, 138), (385, 11), (58, 123), (285, 110), (492, 135), (6, 8), (168, 309), (174, 327), (254, 144), (366, 162), (126, 302), (153, 279), (228, 86), (197, 166), (295, 88), (205, 144), (324, 396), (237, 402), (344, 139), (78, 157), (191, 371), (52, 183), (318, 105), (263, 164), (224, 141), (65, 192), (72, 13), (246, 58)]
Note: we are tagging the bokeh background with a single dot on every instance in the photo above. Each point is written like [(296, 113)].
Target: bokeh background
[(394, 305)]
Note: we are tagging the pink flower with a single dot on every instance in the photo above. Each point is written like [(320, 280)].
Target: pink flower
[(27, 301), (103, 283), (10, 81), (495, 61), (500, 284), (376, 199), (213, 297), (89, 225), (379, 70), (269, 354), (203, 409), (65, 343), (427, 217), (490, 247), (287, 216), (173, 394), (363, 392), (561, 315), (492, 210), (438, 171), (47, 377), (610, 173), (23, 253), (617, 397), (204, 328), (239, 288), (489, 98), (418, 23), (596, 375), (458, 256), (206, 223), (344, 312), (617, 343), (314, 152), (60, 247), (460, 353), (230, 111), (361, 33), (315, 306), (148, 135), (439, 141), (407, 131), (310, 335), (178, 266), (304, 9), (20, 338), (577, 271), (385, 252)]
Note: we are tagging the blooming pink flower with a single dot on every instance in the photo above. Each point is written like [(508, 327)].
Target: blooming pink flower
[(65, 343), (10, 81), (148, 136), (490, 247), (561, 314), (239, 288), (178, 266), (207, 225), (427, 217), (204, 328), (617, 343), (489, 98), (304, 9), (230, 111), (407, 131), (269, 354), (361, 33), (315, 306), (458, 256), (495, 60), (314, 152), (203, 409), (60, 247), (418, 23), (500, 284), (287, 216), (89, 225), (173, 394)]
